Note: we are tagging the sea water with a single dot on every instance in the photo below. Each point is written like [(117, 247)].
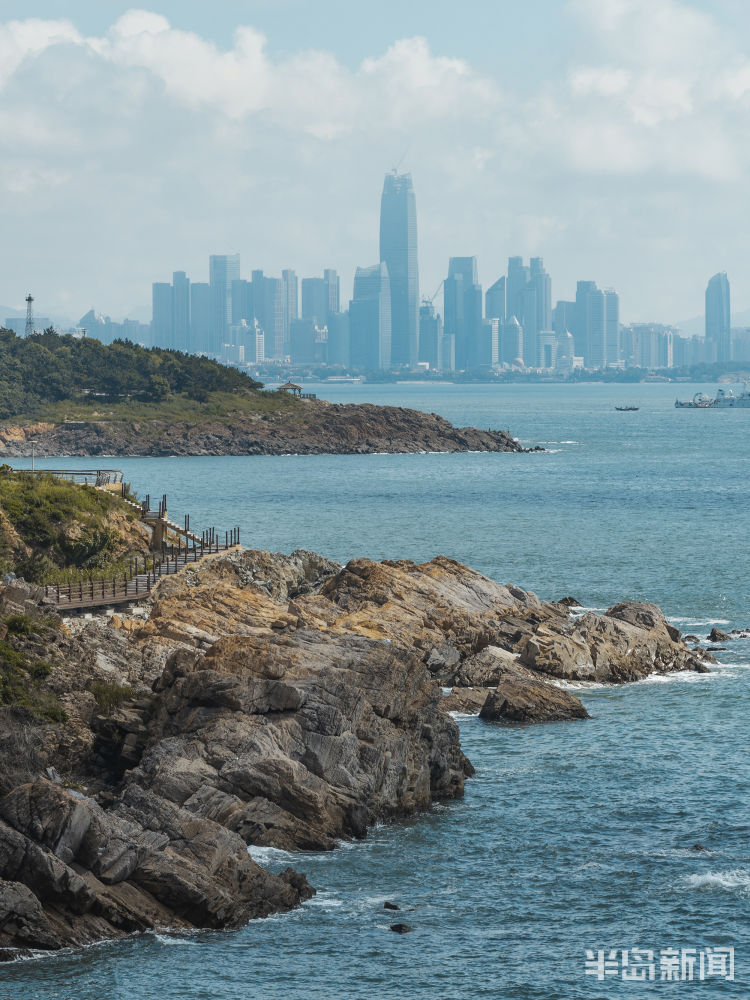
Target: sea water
[(572, 837)]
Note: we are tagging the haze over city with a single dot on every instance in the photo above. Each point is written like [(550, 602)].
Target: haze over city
[(137, 142)]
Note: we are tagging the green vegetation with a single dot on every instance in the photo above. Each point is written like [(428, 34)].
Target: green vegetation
[(54, 531), (47, 368), (109, 697), (21, 684)]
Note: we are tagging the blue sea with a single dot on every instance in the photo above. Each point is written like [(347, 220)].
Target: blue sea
[(574, 842)]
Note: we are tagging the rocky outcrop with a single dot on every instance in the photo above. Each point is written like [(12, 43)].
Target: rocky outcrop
[(521, 697), (80, 873), (626, 643), (314, 427), (272, 700)]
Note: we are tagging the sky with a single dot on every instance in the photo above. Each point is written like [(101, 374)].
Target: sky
[(610, 137)]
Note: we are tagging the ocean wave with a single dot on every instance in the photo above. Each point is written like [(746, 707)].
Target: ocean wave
[(169, 939), (269, 855), (736, 881), (697, 622)]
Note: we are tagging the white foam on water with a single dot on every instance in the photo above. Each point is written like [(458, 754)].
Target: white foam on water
[(167, 939), (737, 881), (697, 622), (325, 899), (681, 677), (269, 855), (463, 715)]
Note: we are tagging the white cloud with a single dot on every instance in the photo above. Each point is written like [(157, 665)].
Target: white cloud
[(150, 146)]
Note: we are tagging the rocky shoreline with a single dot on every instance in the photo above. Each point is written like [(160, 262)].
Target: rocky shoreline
[(313, 427), (262, 699)]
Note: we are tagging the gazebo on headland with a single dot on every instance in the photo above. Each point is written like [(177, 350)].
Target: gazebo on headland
[(293, 388)]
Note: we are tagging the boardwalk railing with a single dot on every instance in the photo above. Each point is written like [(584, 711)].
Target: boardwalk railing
[(86, 477), (141, 578)]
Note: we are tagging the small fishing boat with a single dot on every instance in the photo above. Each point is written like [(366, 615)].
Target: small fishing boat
[(627, 409)]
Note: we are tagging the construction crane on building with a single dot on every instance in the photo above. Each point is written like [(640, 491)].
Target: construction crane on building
[(429, 300)]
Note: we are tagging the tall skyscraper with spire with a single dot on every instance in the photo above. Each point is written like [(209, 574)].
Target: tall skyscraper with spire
[(718, 323), (398, 250)]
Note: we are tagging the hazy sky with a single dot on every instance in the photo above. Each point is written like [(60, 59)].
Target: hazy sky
[(610, 137)]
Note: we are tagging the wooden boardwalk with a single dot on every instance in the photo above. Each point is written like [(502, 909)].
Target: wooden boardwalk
[(143, 573), (138, 584)]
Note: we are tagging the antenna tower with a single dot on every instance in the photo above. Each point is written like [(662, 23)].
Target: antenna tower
[(29, 315)]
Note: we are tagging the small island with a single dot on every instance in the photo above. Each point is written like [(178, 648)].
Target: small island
[(61, 395)]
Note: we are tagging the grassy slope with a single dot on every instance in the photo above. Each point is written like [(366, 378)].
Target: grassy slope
[(226, 406), (52, 531)]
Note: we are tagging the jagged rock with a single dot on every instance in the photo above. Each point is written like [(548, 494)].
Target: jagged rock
[(300, 739), (22, 920), (277, 700), (716, 635), (485, 669), (630, 641), (144, 864), (523, 698), (401, 928), (390, 906)]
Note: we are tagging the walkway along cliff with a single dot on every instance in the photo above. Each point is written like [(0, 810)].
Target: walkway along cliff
[(255, 698)]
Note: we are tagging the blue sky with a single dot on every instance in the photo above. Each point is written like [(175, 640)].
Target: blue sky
[(608, 136)]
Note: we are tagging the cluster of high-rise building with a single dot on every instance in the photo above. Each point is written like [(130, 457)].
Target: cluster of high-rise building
[(513, 325)]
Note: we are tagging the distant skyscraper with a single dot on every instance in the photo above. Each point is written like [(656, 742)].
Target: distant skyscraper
[(462, 309), (430, 335), (334, 289), (180, 311), (200, 317), (320, 297), (290, 293), (268, 304), (494, 300), (518, 279), (242, 302), (339, 339), (370, 318), (223, 269), (398, 249), (161, 314), (579, 329), (612, 326), (718, 324)]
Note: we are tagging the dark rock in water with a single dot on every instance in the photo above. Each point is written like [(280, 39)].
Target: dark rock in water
[(691, 638), (698, 847), (523, 698), (717, 649), (569, 602), (401, 928), (390, 906), (716, 635)]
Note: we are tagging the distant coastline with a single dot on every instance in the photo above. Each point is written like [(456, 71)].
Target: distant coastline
[(313, 427)]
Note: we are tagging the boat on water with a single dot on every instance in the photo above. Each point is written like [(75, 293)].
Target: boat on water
[(724, 398), (627, 409)]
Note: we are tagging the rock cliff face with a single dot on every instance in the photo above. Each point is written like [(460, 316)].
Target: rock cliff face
[(314, 427), (274, 700)]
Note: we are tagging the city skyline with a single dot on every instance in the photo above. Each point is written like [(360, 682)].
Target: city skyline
[(260, 132)]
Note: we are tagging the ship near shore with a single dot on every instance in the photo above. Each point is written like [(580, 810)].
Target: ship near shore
[(724, 398)]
